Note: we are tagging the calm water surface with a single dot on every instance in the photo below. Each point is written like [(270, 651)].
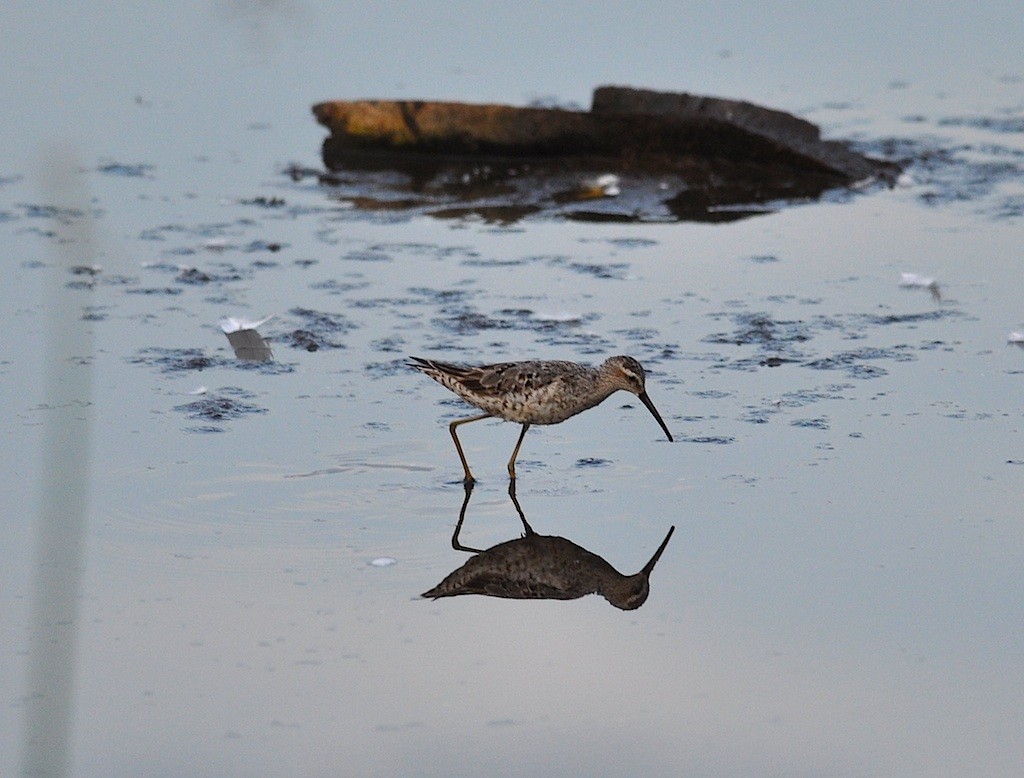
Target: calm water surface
[(842, 593)]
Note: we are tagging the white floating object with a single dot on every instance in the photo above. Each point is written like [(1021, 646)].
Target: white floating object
[(1016, 338), (606, 185), (383, 561), (915, 281), (230, 324), (199, 390), (247, 343), (560, 317), (215, 244)]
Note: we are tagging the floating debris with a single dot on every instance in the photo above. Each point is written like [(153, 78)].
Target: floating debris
[(383, 561), (230, 324), (915, 281), (215, 244), (247, 343), (559, 317), (1016, 339), (606, 185)]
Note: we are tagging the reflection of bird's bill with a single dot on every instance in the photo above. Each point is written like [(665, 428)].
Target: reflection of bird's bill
[(654, 412), (657, 554)]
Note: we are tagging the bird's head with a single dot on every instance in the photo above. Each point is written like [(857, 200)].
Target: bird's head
[(626, 373)]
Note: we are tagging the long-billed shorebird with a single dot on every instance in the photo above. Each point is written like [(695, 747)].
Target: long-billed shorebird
[(535, 392)]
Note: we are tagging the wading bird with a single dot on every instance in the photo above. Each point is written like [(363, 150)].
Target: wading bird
[(535, 392)]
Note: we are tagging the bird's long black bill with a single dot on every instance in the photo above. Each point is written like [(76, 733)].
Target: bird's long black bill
[(654, 412), (657, 554)]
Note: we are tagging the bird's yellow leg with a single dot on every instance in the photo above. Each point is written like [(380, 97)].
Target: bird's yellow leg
[(458, 446), (515, 452)]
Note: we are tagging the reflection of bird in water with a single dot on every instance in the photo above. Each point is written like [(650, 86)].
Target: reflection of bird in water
[(536, 392), (543, 567)]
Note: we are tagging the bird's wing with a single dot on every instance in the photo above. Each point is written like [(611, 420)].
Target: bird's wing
[(499, 378), (508, 377)]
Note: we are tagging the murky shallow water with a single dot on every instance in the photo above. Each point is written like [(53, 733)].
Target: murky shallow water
[(841, 594)]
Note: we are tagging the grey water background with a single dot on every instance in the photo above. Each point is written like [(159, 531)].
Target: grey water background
[(843, 593)]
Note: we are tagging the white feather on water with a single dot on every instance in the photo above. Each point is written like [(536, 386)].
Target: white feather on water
[(230, 324), (916, 281)]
